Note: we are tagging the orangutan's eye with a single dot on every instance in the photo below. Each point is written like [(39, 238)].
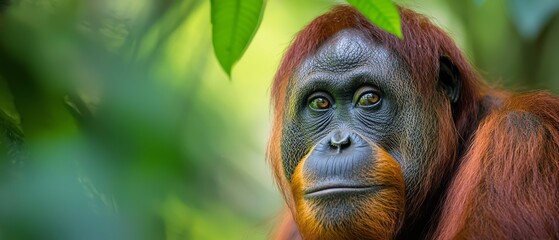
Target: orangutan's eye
[(319, 103), (368, 99)]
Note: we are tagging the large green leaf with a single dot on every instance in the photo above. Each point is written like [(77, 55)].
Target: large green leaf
[(382, 13), (234, 23)]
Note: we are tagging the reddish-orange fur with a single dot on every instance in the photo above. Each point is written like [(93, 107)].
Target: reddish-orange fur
[(508, 182), (500, 180)]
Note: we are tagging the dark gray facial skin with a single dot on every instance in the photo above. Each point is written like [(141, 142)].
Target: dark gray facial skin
[(346, 66)]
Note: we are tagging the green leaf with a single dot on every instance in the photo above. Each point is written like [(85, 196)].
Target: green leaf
[(382, 13), (234, 23)]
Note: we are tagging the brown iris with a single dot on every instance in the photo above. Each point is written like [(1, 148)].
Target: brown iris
[(319, 103), (368, 99)]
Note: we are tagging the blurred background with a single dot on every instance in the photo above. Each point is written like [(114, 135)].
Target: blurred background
[(116, 121)]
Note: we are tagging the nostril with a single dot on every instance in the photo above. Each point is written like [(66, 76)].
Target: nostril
[(340, 140)]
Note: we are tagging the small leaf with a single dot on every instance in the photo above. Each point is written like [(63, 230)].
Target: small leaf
[(382, 13), (234, 23)]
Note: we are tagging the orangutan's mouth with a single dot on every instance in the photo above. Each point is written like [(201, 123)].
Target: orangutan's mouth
[(339, 190)]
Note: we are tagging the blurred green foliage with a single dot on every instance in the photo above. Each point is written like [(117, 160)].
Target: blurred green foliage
[(116, 121), (493, 35)]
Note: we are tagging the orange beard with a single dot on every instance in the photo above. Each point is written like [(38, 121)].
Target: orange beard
[(377, 215)]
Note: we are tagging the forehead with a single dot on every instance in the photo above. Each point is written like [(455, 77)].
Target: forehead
[(345, 54)]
